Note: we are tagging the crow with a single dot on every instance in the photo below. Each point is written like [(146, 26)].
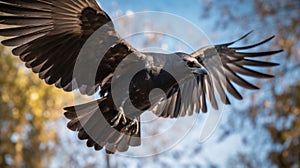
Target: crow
[(48, 36)]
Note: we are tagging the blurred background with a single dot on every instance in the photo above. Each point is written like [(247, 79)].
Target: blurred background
[(261, 131)]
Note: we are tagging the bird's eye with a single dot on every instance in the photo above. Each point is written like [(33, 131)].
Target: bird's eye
[(190, 64)]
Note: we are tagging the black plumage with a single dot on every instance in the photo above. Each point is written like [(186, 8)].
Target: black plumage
[(49, 34)]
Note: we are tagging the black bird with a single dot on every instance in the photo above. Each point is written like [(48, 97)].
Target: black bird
[(49, 34)]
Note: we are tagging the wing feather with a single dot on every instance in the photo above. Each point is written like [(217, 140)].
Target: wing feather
[(224, 65), (233, 61), (48, 35)]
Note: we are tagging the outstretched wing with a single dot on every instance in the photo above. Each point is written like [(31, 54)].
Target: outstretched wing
[(224, 65), (48, 35)]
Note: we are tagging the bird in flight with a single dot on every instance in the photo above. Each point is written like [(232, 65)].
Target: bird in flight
[(48, 35)]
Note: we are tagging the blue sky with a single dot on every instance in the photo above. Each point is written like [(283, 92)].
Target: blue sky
[(186, 152), (189, 10)]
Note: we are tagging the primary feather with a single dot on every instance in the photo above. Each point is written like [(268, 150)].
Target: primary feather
[(48, 35)]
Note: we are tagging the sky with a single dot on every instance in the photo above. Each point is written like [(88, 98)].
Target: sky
[(168, 26), (185, 152), (190, 11)]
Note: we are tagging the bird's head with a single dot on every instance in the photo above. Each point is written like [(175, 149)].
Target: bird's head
[(192, 63)]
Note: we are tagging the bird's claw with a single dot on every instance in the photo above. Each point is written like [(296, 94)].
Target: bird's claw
[(120, 116), (134, 123)]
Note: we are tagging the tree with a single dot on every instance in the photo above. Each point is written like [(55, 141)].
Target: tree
[(286, 134), (28, 107), (273, 115)]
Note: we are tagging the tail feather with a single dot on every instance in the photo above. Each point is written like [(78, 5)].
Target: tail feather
[(93, 123)]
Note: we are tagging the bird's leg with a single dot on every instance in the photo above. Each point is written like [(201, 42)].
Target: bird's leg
[(135, 123), (201, 71), (120, 116)]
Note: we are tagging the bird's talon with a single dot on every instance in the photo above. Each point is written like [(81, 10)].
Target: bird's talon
[(135, 123), (120, 116), (124, 120)]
